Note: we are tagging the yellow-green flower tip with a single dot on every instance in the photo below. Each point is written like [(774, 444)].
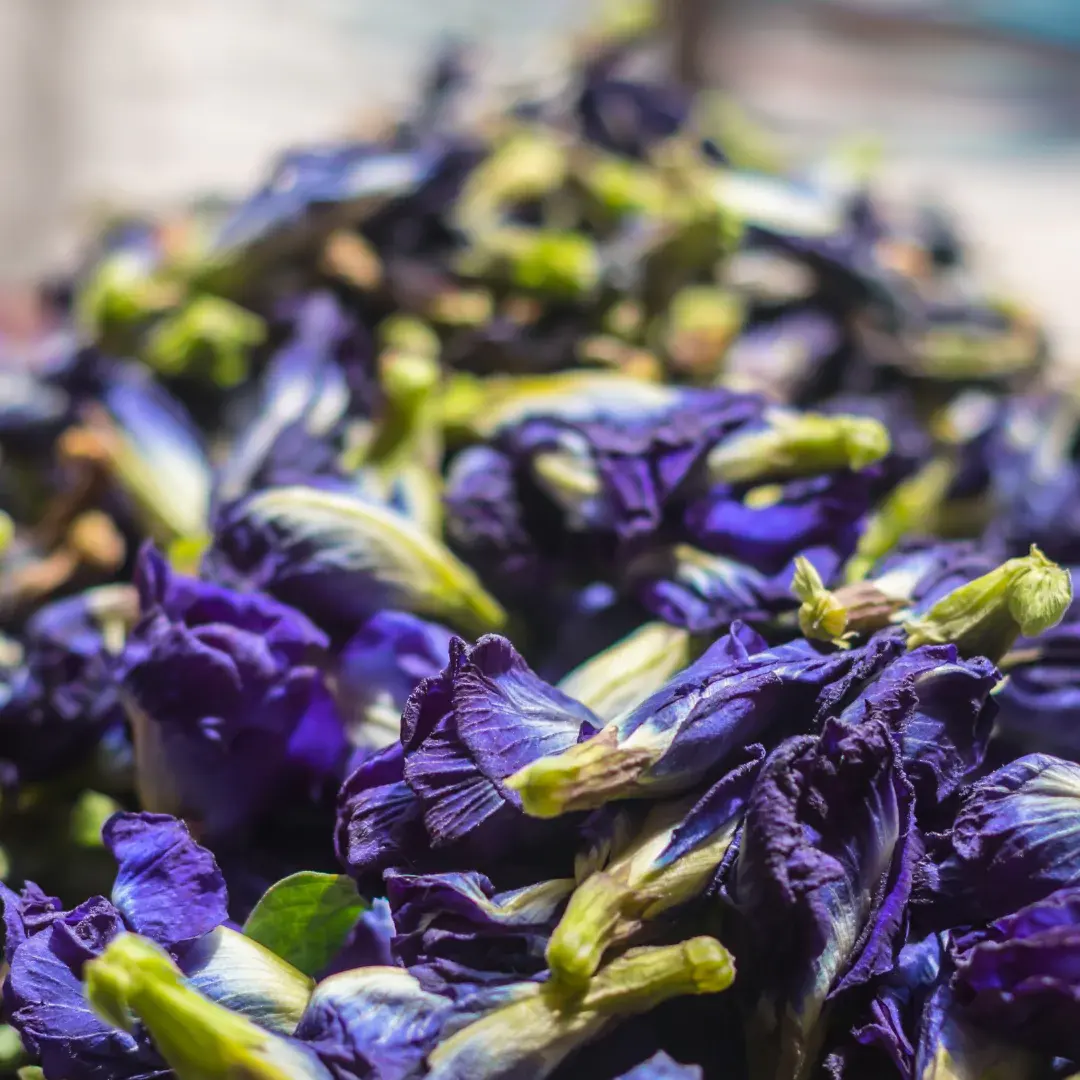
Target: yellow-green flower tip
[(1025, 595), (1040, 594)]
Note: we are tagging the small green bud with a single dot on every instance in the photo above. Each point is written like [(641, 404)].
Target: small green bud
[(821, 616), (556, 264), (7, 531), (90, 812), (12, 1053), (1025, 595), (528, 165), (701, 323), (121, 294), (838, 615), (404, 333), (799, 444), (209, 335), (623, 187)]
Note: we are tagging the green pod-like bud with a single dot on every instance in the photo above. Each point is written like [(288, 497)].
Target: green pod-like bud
[(701, 323), (646, 878), (529, 164), (799, 444), (528, 1038), (1026, 595), (135, 982)]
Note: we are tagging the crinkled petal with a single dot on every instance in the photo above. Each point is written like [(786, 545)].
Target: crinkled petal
[(1016, 839)]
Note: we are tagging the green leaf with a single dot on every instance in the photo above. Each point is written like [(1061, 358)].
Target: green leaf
[(306, 917)]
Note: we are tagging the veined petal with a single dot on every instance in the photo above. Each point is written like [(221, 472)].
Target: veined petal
[(246, 978), (939, 709), (167, 887), (466, 731)]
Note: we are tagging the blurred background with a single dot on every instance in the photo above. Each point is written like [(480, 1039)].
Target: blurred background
[(142, 104)]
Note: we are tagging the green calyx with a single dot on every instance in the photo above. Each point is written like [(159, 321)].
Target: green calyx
[(134, 980), (838, 615), (821, 616), (583, 777), (1025, 595), (799, 445)]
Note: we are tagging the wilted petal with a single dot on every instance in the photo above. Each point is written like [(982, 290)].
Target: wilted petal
[(485, 517), (467, 730), (939, 710), (1015, 840), (454, 931), (308, 389), (694, 589), (62, 698), (1021, 976), (379, 818), (823, 875), (1040, 701), (951, 1047), (26, 913), (218, 685), (380, 666), (636, 463), (44, 999)]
